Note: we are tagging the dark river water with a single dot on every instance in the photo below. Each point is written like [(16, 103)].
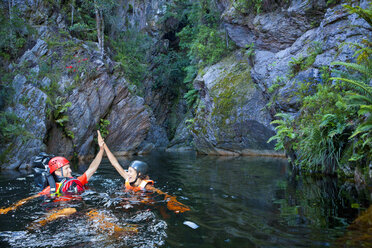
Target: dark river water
[(234, 202)]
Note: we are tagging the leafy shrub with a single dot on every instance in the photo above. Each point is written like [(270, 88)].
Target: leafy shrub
[(11, 126), (168, 71), (303, 62), (284, 131), (102, 127), (245, 6), (84, 31), (131, 51), (14, 33)]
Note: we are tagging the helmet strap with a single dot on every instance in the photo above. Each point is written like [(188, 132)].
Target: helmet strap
[(62, 171)]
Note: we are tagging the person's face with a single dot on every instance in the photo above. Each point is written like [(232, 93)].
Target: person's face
[(132, 175), (66, 171)]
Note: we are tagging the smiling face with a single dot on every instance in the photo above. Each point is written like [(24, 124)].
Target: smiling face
[(66, 171), (132, 175)]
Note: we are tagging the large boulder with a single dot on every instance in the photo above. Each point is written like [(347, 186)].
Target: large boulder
[(231, 118)]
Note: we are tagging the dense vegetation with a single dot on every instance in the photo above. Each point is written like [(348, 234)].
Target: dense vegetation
[(334, 130)]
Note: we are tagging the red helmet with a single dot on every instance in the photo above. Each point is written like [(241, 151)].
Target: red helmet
[(56, 163)]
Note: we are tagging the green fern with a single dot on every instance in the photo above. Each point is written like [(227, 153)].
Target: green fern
[(357, 67), (366, 14), (284, 131), (191, 97), (358, 86)]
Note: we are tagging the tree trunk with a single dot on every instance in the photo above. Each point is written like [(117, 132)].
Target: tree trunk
[(10, 10), (72, 12), (100, 29), (102, 35)]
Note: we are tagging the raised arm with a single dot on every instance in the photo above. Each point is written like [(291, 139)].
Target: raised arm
[(113, 159), (97, 160)]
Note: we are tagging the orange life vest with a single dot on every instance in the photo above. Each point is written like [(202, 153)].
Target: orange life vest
[(139, 187)]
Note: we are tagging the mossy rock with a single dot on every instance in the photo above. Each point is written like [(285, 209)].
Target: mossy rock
[(230, 93)]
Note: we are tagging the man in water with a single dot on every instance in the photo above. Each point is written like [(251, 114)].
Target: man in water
[(59, 168), (65, 185)]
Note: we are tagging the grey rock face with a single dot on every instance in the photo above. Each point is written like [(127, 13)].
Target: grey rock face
[(183, 140), (231, 116), (30, 108), (337, 27), (95, 91), (130, 121), (272, 31)]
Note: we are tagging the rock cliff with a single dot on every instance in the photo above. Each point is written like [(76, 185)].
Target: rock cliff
[(63, 89), (292, 43)]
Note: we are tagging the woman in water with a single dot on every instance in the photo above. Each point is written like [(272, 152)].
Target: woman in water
[(136, 179)]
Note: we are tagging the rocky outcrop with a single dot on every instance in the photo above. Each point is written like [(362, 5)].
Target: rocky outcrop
[(238, 102), (29, 109), (231, 118), (183, 139), (317, 47), (143, 15), (130, 121), (94, 89), (272, 31)]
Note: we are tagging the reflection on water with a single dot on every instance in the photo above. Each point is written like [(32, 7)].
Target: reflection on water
[(234, 201)]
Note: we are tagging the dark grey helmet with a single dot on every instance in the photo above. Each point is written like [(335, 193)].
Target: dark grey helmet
[(140, 167)]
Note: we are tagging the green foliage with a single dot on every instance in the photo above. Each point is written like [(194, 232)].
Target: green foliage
[(6, 89), (303, 62), (284, 131), (84, 23), (366, 14), (191, 72), (246, 6), (250, 50), (332, 2), (11, 127), (131, 51), (14, 33), (84, 31), (102, 127), (168, 71), (58, 110), (322, 144), (279, 82), (208, 45), (334, 129), (359, 98), (201, 40), (191, 97)]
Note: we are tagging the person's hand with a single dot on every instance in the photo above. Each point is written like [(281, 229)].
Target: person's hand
[(101, 142)]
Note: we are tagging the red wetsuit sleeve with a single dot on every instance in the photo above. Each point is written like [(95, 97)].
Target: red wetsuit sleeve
[(45, 191), (83, 179)]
